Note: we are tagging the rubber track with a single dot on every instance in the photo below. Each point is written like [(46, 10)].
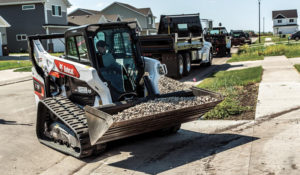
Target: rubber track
[(73, 117)]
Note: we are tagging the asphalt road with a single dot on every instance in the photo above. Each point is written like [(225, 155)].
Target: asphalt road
[(267, 146)]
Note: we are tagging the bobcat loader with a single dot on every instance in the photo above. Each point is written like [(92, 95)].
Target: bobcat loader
[(101, 74)]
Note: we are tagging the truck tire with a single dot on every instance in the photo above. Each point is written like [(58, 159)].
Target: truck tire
[(180, 66), (210, 60), (187, 64)]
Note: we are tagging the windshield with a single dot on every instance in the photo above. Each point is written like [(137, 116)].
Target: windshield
[(115, 53), (238, 34), (218, 31)]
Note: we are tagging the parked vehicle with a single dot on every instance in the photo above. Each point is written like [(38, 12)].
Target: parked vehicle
[(102, 74), (247, 38), (179, 43), (220, 39), (238, 37), (295, 36)]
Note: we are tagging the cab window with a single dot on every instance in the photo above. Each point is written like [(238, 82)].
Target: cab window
[(77, 50)]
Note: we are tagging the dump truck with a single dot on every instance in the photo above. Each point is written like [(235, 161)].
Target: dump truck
[(179, 43), (102, 75), (220, 39)]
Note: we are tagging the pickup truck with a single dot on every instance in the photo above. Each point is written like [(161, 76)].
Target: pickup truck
[(220, 39), (178, 44), (239, 37)]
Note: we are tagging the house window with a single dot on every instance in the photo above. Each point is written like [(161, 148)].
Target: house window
[(56, 10), (291, 20), (150, 20), (21, 37), (28, 7), (279, 21)]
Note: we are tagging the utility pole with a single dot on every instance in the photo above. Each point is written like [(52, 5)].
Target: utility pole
[(263, 25), (259, 20)]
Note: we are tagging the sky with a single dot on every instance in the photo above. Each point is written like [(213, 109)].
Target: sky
[(233, 14)]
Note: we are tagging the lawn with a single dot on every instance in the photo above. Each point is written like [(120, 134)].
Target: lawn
[(275, 39), (240, 90), (4, 65), (249, 53), (24, 69), (297, 66)]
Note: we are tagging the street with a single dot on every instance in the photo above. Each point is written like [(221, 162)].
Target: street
[(200, 147)]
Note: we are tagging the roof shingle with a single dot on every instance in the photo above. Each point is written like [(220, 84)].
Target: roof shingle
[(285, 13)]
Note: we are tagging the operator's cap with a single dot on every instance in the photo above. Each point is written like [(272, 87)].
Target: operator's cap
[(101, 43)]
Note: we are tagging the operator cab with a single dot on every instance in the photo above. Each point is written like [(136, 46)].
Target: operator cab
[(111, 48)]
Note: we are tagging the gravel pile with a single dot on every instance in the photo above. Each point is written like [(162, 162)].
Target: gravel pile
[(168, 85), (161, 105)]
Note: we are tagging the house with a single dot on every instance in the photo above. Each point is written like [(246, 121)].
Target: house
[(144, 16), (3, 37), (82, 12), (285, 21), (31, 17), (98, 18)]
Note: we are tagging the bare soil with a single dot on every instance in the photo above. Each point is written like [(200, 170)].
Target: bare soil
[(247, 98)]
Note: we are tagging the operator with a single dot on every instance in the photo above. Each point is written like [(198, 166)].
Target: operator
[(107, 58), (111, 69)]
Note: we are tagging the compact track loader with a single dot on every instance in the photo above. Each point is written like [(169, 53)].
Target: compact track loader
[(101, 74)]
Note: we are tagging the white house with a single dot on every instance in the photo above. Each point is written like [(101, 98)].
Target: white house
[(285, 21)]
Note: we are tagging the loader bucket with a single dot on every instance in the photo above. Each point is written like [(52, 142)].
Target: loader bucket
[(99, 122), (102, 129)]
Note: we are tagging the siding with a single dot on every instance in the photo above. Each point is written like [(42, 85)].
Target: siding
[(28, 22), (126, 13), (56, 19), (285, 21), (60, 20)]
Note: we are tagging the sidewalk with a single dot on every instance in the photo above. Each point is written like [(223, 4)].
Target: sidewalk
[(9, 77), (280, 87)]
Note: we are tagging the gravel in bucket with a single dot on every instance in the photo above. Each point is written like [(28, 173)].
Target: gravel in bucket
[(160, 105)]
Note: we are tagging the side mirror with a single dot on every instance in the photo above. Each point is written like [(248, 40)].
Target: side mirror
[(162, 69)]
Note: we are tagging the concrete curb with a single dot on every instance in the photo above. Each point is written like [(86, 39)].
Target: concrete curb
[(13, 81)]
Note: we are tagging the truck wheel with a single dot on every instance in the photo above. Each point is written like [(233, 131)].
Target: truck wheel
[(187, 64), (209, 63), (297, 38), (180, 66)]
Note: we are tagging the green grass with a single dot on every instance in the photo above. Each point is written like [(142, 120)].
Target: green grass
[(297, 66), (24, 69), (4, 65), (274, 39), (250, 53), (231, 84), (56, 54)]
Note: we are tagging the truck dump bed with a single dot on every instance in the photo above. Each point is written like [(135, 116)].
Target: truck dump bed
[(117, 130)]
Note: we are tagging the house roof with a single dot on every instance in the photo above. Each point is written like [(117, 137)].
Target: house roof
[(143, 11), (286, 13), (91, 12), (85, 19), (15, 2)]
